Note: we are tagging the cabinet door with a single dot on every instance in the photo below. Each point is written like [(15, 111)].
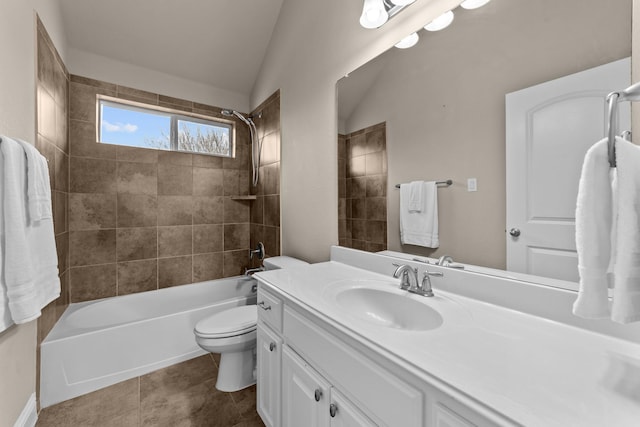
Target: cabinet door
[(305, 394), (343, 413), (268, 355)]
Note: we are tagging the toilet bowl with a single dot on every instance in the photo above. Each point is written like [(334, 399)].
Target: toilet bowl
[(232, 333)]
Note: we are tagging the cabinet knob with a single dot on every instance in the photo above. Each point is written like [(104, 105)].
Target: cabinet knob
[(318, 395), (272, 346), (263, 306), (333, 409)]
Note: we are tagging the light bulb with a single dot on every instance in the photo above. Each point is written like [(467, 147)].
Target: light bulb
[(402, 2), (373, 14), (473, 4), (440, 23), (408, 41)]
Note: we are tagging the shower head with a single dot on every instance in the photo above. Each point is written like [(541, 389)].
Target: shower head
[(231, 113)]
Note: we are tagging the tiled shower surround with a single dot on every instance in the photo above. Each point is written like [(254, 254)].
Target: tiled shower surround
[(143, 219), (362, 189), (265, 210)]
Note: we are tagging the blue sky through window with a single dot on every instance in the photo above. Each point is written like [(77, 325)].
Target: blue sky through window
[(133, 128)]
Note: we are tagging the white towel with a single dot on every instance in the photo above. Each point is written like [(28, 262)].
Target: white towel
[(5, 313), (30, 259), (626, 268), (416, 196), (593, 233), (419, 228), (38, 185)]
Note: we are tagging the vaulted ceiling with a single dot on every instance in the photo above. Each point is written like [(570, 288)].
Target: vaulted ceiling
[(220, 43)]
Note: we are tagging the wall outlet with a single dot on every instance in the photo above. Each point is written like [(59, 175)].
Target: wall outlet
[(472, 184)]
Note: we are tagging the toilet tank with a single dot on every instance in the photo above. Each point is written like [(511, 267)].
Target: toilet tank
[(277, 262)]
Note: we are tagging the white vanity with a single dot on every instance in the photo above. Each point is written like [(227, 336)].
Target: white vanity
[(340, 344)]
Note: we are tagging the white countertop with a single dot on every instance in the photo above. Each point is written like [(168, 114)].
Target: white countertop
[(534, 371)]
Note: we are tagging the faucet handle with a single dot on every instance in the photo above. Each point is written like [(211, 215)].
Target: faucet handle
[(434, 273)]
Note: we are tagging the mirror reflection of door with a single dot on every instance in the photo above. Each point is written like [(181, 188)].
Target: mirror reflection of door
[(549, 128)]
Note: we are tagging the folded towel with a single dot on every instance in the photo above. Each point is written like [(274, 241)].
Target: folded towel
[(416, 196), (593, 233), (29, 252), (38, 185), (626, 268), (419, 228)]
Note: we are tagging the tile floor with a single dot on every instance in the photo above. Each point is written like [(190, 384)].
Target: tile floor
[(177, 396)]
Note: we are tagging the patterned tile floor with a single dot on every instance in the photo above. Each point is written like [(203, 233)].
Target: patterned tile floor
[(182, 395)]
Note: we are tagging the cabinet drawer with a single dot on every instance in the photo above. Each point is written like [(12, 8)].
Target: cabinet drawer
[(386, 399), (270, 309)]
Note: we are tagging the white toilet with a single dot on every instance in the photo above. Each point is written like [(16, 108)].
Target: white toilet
[(232, 333)]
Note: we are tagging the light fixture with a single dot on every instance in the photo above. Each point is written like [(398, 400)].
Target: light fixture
[(374, 14), (473, 4), (408, 41), (441, 22), (402, 2)]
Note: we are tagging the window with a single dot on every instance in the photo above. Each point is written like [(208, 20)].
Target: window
[(138, 125)]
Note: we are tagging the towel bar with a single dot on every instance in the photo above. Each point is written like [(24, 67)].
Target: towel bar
[(446, 183)]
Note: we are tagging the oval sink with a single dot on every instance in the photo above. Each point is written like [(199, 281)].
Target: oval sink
[(389, 309)]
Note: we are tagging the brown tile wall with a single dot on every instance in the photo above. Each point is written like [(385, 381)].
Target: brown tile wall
[(142, 219), (179, 395), (265, 210), (362, 189), (52, 92)]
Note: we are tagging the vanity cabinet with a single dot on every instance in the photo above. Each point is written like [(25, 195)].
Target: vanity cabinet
[(269, 358), (309, 376), (310, 400)]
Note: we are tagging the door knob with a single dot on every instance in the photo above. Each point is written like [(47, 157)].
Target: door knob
[(515, 232)]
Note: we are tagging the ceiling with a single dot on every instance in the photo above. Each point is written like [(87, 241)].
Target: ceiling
[(220, 43)]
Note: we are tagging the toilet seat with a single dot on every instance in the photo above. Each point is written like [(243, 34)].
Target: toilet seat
[(228, 323)]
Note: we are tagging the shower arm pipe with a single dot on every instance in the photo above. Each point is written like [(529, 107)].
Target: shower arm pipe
[(256, 144), (632, 94)]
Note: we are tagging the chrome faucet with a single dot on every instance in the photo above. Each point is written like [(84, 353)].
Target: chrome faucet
[(445, 258), (447, 261), (405, 281), (415, 287)]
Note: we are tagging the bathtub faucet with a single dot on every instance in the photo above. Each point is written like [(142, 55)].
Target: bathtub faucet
[(250, 271), (258, 251)]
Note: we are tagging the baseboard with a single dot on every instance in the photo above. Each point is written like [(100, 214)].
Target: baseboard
[(29, 414)]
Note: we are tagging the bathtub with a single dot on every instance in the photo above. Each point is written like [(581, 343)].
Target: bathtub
[(99, 343)]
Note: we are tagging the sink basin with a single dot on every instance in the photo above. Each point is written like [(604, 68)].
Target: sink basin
[(389, 309)]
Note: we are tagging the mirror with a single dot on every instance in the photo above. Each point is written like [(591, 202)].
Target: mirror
[(442, 103)]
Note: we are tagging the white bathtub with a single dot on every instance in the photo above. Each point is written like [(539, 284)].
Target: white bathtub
[(99, 343)]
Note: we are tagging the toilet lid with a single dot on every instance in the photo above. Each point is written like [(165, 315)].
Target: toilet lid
[(234, 321)]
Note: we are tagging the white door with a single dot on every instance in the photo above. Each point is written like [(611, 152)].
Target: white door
[(549, 128), (268, 358), (305, 394)]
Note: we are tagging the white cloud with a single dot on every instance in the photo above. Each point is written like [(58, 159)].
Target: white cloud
[(119, 127)]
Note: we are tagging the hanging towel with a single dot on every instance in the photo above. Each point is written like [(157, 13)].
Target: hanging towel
[(419, 228), (593, 233), (29, 253), (626, 259), (416, 196), (5, 313), (38, 185)]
